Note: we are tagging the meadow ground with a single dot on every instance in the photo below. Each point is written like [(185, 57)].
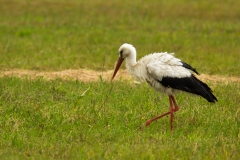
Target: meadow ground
[(51, 50)]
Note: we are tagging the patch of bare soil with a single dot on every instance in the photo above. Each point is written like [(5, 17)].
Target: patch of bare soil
[(91, 75)]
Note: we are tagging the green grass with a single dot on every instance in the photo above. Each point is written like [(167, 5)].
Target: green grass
[(51, 120), (57, 35)]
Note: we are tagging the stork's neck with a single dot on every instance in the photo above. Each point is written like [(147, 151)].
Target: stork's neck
[(131, 60)]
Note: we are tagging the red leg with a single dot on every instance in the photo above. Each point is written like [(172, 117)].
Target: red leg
[(172, 110), (175, 104), (153, 119)]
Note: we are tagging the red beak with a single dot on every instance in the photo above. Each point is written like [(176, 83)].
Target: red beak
[(120, 60)]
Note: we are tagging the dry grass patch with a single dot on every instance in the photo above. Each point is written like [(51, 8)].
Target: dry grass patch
[(86, 75)]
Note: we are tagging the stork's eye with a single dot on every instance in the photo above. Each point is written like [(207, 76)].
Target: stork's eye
[(121, 52)]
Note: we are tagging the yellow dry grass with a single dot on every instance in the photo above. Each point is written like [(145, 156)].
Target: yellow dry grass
[(86, 75)]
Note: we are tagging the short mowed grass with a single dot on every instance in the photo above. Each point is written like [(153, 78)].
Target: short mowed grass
[(69, 119), (55, 120)]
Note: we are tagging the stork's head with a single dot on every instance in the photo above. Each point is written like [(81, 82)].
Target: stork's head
[(125, 51)]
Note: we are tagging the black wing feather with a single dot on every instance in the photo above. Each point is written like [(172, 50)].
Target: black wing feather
[(190, 84)]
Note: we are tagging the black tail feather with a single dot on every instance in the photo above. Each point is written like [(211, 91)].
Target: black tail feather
[(190, 84), (204, 90)]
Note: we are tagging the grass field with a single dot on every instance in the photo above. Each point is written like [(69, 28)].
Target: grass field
[(50, 119), (54, 120), (57, 35)]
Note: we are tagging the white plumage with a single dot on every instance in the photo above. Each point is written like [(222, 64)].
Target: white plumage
[(164, 73)]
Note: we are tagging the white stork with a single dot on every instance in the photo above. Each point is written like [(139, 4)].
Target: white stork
[(164, 73)]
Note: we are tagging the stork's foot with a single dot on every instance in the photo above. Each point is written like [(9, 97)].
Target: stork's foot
[(148, 123)]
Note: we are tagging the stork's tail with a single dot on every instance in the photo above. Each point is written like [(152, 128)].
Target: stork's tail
[(204, 90), (201, 89), (190, 84)]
